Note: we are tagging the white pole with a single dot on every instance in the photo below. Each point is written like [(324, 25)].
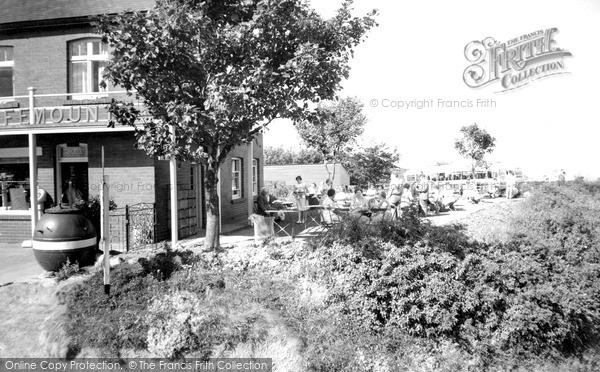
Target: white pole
[(219, 192), (32, 163), (220, 201), (104, 214), (250, 174), (173, 185)]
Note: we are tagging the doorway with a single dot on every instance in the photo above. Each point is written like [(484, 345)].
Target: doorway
[(72, 165), (78, 174)]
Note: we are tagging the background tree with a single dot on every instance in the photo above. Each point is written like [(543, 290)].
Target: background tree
[(371, 164), (474, 144), (332, 129), (220, 71), (283, 156)]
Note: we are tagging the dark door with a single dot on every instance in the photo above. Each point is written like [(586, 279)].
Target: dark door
[(78, 174)]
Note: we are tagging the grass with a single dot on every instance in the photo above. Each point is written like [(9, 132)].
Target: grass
[(25, 307)]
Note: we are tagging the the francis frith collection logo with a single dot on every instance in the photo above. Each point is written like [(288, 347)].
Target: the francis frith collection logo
[(516, 62)]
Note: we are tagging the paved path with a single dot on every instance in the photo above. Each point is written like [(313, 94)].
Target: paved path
[(18, 264), (463, 209)]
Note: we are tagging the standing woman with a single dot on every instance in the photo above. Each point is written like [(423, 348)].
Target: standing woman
[(300, 192)]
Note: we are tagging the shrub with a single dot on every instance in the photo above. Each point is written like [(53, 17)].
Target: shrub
[(537, 295), (176, 320), (118, 322), (111, 323), (68, 270)]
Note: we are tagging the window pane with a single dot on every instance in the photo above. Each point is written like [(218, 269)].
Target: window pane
[(235, 178), (79, 48), (78, 77), (6, 54), (6, 81), (235, 183), (254, 176), (95, 47), (97, 72)]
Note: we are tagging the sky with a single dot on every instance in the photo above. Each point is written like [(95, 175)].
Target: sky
[(417, 53)]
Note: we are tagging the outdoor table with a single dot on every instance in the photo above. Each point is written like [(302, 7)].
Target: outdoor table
[(374, 211), (286, 211), (316, 218), (285, 203)]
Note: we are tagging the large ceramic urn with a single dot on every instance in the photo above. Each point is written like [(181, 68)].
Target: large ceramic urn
[(63, 235)]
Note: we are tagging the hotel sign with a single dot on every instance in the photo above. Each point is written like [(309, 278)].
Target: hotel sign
[(55, 116), (73, 152)]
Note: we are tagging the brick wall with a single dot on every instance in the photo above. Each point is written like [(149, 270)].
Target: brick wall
[(14, 228), (235, 210), (130, 171), (41, 61)]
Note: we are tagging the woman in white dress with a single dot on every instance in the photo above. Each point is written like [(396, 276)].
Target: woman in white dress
[(300, 192)]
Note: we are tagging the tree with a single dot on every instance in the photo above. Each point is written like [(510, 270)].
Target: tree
[(218, 72), (284, 156), (474, 144), (371, 164), (332, 129)]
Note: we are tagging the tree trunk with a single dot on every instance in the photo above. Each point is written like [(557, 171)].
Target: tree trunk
[(211, 241), (329, 175), (333, 175)]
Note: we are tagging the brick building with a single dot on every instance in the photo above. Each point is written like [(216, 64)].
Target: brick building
[(53, 107)]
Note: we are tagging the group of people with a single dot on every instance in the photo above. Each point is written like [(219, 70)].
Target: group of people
[(398, 199)]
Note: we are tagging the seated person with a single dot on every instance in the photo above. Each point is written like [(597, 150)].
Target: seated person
[(264, 202), (328, 214), (435, 199), (448, 197), (360, 205), (328, 184), (407, 198), (379, 205), (470, 192), (379, 201), (340, 196)]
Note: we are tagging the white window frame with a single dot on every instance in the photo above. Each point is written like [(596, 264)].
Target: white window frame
[(9, 64), (236, 174), (254, 177), (88, 60)]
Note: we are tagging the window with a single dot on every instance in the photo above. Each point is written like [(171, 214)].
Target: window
[(236, 178), (87, 60), (6, 71), (254, 176)]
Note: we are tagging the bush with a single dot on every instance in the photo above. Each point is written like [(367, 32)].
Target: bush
[(177, 320), (111, 323), (537, 295), (174, 305), (91, 210), (68, 270), (379, 297), (118, 322)]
